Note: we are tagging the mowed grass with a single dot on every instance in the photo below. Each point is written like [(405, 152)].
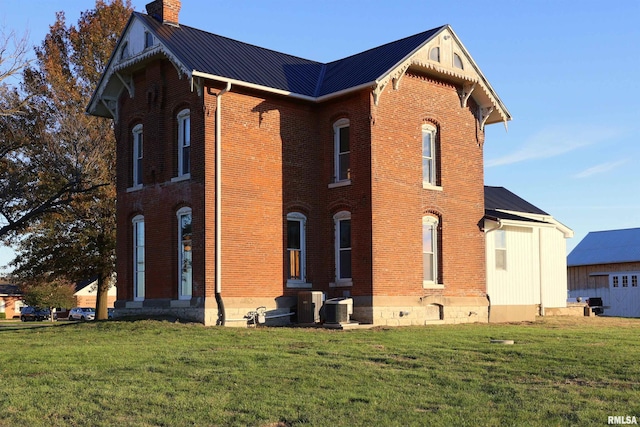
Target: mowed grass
[(560, 371)]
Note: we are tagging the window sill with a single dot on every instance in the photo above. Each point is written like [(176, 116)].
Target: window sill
[(431, 285), (340, 184), (429, 186), (184, 177), (134, 188), (341, 283), (298, 284)]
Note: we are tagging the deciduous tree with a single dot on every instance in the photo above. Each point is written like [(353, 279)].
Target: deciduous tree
[(74, 157)]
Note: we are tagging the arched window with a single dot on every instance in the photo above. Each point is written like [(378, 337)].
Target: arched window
[(342, 150), (429, 164), (185, 250), (457, 61), (137, 156), (296, 249), (138, 258), (342, 222), (124, 51), (430, 250), (434, 54), (184, 143)]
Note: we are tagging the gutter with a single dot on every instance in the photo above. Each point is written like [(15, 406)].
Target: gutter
[(323, 98), (218, 207)]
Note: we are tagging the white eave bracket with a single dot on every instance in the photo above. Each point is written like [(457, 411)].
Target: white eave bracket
[(196, 82), (484, 113), (465, 93), (111, 104), (128, 84)]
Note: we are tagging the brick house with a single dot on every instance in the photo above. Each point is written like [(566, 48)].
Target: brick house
[(246, 176)]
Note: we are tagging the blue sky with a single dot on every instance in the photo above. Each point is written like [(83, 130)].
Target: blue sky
[(567, 71)]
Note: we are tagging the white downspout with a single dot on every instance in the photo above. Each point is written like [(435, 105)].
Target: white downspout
[(218, 207), (500, 224)]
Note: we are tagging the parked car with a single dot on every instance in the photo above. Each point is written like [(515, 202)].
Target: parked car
[(110, 313), (82, 313), (34, 313)]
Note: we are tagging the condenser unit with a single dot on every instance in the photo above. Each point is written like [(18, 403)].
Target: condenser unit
[(338, 310), (309, 304)]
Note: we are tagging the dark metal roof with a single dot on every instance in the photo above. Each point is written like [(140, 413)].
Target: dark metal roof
[(6, 289), (499, 198), (607, 247), (220, 56)]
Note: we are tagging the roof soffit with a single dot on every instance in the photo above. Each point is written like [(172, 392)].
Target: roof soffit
[(468, 76)]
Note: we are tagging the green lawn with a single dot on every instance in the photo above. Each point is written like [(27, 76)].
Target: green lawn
[(560, 371)]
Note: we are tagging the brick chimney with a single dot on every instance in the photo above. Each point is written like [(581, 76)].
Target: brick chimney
[(165, 11)]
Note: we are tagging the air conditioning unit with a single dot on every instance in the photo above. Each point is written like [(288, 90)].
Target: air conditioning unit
[(309, 304), (338, 310)]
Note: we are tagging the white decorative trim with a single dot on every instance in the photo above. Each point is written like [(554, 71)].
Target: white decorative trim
[(298, 284), (431, 285), (184, 177), (339, 183), (428, 186), (341, 284)]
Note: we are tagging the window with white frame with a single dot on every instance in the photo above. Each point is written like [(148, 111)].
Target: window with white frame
[(137, 156), (429, 250), (434, 54), (184, 143), (138, 258), (634, 281), (185, 246), (501, 249), (342, 148), (342, 221), (429, 171), (296, 250), (148, 39), (616, 281)]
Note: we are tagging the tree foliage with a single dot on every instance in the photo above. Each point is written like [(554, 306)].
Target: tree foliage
[(66, 175), (48, 294)]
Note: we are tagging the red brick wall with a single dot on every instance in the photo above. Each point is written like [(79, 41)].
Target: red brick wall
[(278, 158), (159, 96), (399, 201)]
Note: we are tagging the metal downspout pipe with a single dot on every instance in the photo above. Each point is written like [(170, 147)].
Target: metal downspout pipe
[(500, 224), (218, 207)]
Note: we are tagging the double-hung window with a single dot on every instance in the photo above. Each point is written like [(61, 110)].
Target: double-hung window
[(185, 246), (296, 250), (429, 250), (138, 258), (342, 221), (429, 172), (184, 143), (342, 149), (137, 156)]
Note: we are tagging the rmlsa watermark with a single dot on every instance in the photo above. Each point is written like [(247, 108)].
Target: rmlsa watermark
[(622, 420)]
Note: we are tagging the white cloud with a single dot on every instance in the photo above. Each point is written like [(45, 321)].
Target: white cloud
[(603, 167), (554, 142)]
